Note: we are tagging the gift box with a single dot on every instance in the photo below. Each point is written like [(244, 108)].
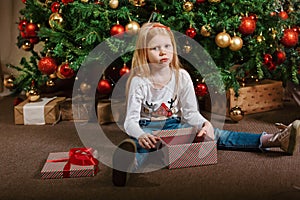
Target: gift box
[(78, 162), (80, 111), (109, 111), (44, 111), (182, 149), (254, 97)]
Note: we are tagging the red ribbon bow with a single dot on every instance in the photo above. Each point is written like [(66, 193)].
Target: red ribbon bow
[(78, 156)]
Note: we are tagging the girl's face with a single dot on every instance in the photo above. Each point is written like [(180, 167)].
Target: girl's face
[(160, 50)]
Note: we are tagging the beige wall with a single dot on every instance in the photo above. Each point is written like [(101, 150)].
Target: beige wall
[(9, 17)]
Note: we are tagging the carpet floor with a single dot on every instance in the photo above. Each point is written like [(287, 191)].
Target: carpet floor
[(237, 175)]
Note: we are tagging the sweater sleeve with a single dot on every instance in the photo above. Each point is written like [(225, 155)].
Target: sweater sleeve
[(134, 104), (188, 100)]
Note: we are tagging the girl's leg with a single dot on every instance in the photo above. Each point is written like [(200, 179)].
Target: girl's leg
[(232, 140)]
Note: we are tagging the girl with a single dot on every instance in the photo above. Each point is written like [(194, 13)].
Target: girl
[(161, 96)]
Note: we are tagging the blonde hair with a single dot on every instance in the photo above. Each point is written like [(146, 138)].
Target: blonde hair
[(140, 66)]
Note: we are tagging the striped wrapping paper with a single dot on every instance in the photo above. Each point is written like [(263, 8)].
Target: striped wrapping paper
[(180, 152), (55, 170)]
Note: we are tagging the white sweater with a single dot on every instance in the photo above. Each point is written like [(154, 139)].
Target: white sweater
[(146, 102)]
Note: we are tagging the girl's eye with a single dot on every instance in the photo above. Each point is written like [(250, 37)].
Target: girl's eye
[(155, 48), (167, 46)]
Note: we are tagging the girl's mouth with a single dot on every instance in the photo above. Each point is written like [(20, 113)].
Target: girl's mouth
[(164, 60)]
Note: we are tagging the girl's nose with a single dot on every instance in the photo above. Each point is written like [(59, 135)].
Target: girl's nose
[(162, 52)]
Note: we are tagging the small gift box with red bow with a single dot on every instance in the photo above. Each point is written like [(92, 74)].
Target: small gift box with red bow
[(181, 148), (78, 162)]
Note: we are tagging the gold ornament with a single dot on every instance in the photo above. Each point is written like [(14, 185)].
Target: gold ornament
[(56, 19), (113, 4), (236, 114), (137, 3), (260, 38), (48, 3), (84, 87), (52, 76), (205, 30), (187, 48), (214, 1), (9, 82), (236, 43), (84, 1), (223, 39), (274, 33), (132, 28), (27, 46), (50, 83), (188, 6), (32, 94)]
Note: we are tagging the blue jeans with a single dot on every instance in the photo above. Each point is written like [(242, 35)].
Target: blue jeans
[(227, 140)]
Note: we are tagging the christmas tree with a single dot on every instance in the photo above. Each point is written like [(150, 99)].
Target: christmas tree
[(247, 39)]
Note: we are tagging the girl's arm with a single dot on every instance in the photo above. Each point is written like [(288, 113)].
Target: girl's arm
[(189, 103)]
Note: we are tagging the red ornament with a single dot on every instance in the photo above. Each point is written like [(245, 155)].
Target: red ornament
[(271, 66), (31, 29), (280, 57), (98, 2), (55, 6), (47, 65), (67, 1), (124, 70), (104, 87), (247, 26), (34, 40), (290, 38), (283, 15), (200, 1), (22, 24), (191, 32), (23, 34), (64, 71), (117, 30), (201, 89), (267, 58), (24, 1)]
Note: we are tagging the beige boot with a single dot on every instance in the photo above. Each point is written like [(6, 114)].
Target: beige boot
[(288, 138)]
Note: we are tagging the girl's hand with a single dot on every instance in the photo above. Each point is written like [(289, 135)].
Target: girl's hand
[(148, 141), (207, 129)]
